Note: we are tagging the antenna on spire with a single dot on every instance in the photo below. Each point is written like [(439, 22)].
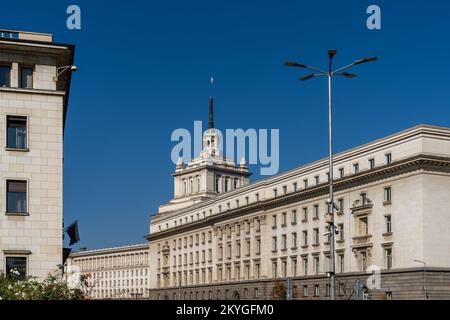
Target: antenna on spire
[(211, 106)]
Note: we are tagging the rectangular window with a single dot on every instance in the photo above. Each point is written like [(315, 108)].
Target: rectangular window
[(274, 269), (16, 196), (305, 291), (18, 264), (305, 238), (316, 265), (387, 195), (388, 222), (305, 183), (316, 290), (316, 211), (274, 243), (341, 172), (356, 168), (294, 186), (283, 242), (316, 179), (388, 257), (294, 217), (294, 267), (363, 226), (275, 193), (341, 205), (258, 246), (26, 77), (371, 163), (284, 268), (388, 158), (294, 240), (5, 74), (284, 190), (341, 231), (305, 266), (341, 262), (305, 214), (316, 236), (274, 221), (283, 219), (17, 132)]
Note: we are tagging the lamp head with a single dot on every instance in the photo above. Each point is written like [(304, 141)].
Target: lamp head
[(332, 53), (73, 68), (294, 64)]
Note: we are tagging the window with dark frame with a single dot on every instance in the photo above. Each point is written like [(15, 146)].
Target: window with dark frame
[(5, 75), (18, 264), (16, 132), (388, 158), (16, 200), (26, 77)]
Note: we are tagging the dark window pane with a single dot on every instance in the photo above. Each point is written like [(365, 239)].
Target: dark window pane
[(17, 196), (17, 263), (4, 76), (17, 132), (26, 78)]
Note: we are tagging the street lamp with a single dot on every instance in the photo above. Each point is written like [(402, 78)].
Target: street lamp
[(329, 217), (424, 283), (62, 69)]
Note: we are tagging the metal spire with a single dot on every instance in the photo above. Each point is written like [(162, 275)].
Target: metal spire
[(211, 106)]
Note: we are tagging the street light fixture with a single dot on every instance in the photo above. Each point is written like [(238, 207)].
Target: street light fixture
[(62, 69), (424, 280), (329, 217)]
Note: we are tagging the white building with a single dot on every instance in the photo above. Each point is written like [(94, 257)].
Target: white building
[(33, 107), (115, 273), (393, 196)]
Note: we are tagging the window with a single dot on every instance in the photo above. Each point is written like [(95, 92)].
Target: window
[(316, 211), (258, 246), (257, 197), (305, 266), (316, 265), (283, 242), (363, 226), (26, 77), (283, 219), (17, 196), (5, 74), (388, 223), (363, 198), (274, 221), (18, 264), (274, 269), (305, 183), (217, 186), (341, 172), (284, 190), (388, 157), (294, 217), (236, 183), (356, 168), (341, 205), (305, 291), (388, 257), (388, 295), (341, 262), (274, 243), (294, 186), (305, 238), (316, 236), (341, 231), (247, 200), (316, 179), (284, 268), (387, 195), (305, 214), (363, 261), (17, 132), (294, 240), (316, 290), (275, 193), (372, 163)]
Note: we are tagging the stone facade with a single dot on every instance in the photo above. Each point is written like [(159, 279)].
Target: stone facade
[(114, 273), (31, 221), (393, 204)]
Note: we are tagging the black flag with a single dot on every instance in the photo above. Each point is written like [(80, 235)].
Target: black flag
[(72, 232), (66, 254)]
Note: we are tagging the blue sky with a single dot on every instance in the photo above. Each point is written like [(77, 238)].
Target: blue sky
[(144, 69)]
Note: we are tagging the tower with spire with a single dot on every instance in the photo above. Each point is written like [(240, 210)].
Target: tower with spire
[(209, 174)]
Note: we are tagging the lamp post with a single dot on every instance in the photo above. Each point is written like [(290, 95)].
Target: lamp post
[(329, 217), (61, 70), (424, 280)]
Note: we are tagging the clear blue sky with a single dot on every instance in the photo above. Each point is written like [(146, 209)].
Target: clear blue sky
[(144, 69)]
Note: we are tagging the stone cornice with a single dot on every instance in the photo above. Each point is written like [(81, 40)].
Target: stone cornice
[(418, 162)]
